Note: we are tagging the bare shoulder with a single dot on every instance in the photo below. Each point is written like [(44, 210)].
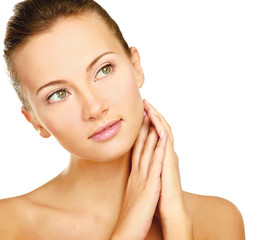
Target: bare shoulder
[(214, 218), (10, 214), (15, 216)]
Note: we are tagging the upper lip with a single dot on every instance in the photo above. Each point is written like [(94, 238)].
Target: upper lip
[(104, 127)]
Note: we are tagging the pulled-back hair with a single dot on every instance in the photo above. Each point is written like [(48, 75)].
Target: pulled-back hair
[(32, 17)]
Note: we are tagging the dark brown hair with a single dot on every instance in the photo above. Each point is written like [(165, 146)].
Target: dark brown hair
[(33, 17)]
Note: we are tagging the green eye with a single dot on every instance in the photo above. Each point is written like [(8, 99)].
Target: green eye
[(58, 95), (104, 71)]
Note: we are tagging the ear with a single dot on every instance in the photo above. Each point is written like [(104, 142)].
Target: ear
[(135, 60), (29, 116)]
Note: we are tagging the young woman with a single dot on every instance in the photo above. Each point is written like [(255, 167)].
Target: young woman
[(79, 81)]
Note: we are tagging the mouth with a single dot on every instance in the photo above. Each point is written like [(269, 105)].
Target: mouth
[(107, 131)]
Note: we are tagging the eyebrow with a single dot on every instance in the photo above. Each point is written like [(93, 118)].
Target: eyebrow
[(96, 60), (63, 81)]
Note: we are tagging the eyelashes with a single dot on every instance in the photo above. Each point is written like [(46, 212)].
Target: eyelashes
[(57, 95), (104, 71), (61, 94)]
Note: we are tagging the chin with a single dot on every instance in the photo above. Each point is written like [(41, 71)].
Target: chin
[(106, 154)]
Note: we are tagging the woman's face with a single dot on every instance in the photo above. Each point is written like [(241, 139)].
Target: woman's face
[(79, 80)]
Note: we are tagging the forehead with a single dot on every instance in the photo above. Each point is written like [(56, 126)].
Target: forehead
[(69, 45)]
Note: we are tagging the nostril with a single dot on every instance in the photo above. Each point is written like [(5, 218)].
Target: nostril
[(94, 111)]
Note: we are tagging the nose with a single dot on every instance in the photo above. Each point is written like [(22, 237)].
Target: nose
[(93, 106)]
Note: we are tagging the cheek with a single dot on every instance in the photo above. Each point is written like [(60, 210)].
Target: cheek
[(130, 99), (128, 95), (61, 123)]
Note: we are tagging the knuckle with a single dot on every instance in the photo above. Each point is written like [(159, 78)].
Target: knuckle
[(143, 152)]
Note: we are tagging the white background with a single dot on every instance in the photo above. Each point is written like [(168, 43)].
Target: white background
[(211, 69)]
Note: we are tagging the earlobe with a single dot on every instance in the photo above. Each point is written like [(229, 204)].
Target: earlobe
[(135, 59), (31, 119), (43, 132)]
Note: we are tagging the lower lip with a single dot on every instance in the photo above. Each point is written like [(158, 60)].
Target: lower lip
[(108, 133)]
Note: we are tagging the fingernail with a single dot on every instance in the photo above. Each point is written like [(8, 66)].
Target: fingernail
[(162, 134), (144, 113)]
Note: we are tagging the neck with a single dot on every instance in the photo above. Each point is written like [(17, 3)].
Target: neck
[(89, 184)]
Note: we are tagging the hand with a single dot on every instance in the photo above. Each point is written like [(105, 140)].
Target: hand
[(172, 208), (144, 185)]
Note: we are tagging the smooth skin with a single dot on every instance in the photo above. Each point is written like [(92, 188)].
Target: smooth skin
[(125, 188)]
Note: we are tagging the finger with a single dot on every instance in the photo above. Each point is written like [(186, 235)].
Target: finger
[(152, 111), (155, 119), (139, 143), (163, 120), (158, 156), (148, 151), (157, 113)]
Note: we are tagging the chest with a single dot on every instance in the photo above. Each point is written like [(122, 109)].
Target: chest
[(76, 227)]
